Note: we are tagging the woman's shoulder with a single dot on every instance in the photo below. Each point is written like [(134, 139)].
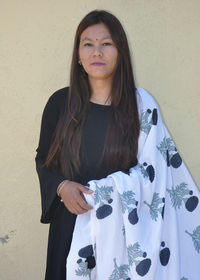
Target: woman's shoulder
[(55, 104), (59, 96), (57, 101)]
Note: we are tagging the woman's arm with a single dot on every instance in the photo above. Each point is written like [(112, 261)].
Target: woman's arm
[(71, 192), (49, 180)]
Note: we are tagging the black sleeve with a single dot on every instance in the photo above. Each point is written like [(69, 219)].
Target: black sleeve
[(49, 180)]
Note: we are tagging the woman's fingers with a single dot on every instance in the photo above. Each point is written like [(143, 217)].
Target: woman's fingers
[(85, 190), (75, 209), (71, 208), (73, 198), (80, 205), (83, 204)]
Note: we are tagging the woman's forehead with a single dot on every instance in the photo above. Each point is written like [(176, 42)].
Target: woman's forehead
[(96, 32), (90, 39)]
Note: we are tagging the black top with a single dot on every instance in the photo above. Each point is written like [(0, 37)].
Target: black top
[(53, 211)]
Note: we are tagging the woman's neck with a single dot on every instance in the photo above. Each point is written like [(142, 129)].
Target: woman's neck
[(100, 91)]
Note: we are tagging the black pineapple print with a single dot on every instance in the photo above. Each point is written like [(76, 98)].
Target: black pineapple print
[(179, 195), (164, 254), (102, 196), (87, 255), (170, 153), (157, 206), (128, 202), (135, 252), (148, 118), (148, 171)]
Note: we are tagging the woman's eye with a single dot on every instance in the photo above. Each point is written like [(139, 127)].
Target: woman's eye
[(104, 44), (87, 44), (107, 44)]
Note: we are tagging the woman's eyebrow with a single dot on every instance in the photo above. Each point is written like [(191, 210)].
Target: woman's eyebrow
[(86, 38)]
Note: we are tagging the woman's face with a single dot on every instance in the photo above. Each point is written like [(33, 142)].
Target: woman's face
[(96, 45)]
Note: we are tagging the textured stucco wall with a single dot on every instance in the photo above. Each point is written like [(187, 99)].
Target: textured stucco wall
[(35, 53)]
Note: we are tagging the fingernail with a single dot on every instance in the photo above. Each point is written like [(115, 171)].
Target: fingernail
[(87, 187)]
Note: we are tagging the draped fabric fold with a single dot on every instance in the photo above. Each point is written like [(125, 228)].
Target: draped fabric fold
[(144, 224)]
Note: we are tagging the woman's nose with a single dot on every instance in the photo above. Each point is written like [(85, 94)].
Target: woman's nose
[(97, 50)]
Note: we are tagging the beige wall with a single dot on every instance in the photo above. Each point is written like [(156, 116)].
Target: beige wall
[(36, 39)]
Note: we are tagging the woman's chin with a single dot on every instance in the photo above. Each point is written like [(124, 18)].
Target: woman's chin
[(98, 76)]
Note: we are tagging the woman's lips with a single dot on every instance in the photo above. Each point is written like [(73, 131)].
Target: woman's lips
[(97, 63)]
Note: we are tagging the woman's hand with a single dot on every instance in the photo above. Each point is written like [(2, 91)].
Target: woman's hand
[(73, 198)]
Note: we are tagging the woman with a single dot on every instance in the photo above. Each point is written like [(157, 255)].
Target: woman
[(75, 122), (89, 130)]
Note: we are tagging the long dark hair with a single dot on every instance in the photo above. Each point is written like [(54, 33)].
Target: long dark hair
[(121, 143)]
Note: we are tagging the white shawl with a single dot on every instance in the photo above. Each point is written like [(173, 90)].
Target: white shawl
[(145, 224)]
